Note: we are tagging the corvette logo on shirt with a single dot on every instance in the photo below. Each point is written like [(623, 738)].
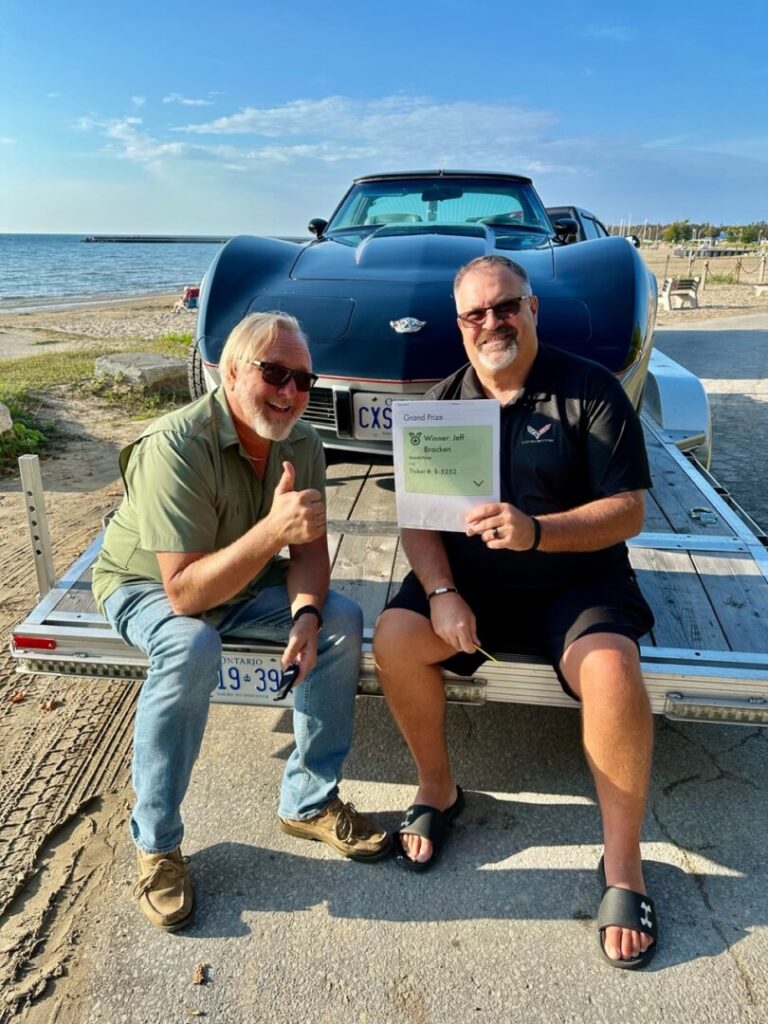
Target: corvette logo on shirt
[(538, 434)]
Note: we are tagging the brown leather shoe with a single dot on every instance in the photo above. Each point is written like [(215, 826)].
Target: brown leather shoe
[(344, 828), (164, 889)]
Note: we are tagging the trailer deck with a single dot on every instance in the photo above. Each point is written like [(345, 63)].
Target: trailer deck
[(701, 563)]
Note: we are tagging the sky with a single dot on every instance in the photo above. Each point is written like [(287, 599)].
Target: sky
[(253, 117)]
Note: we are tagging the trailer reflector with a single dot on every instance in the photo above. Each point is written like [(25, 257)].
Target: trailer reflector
[(34, 643), (731, 711)]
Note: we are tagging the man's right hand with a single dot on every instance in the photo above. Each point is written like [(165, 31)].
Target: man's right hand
[(454, 622), (296, 517)]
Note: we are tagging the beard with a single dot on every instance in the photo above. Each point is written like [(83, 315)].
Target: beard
[(503, 348), (266, 427)]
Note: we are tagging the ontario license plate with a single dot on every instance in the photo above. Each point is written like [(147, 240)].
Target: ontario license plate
[(372, 416), (250, 679)]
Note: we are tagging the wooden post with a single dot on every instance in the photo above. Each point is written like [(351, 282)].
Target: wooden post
[(666, 267), (691, 261), (761, 276), (738, 268), (704, 275)]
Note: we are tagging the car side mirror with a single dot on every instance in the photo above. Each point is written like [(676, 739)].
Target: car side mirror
[(317, 226), (567, 229)]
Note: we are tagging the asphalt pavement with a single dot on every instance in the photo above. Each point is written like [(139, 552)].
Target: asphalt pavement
[(503, 929)]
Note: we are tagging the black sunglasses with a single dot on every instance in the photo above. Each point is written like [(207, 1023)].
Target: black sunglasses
[(277, 375), (502, 311)]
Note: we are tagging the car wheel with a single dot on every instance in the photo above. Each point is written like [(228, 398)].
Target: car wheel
[(195, 375)]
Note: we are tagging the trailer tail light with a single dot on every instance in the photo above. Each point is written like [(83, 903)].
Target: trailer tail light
[(731, 711), (34, 643)]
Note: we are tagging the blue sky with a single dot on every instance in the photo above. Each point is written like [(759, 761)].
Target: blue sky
[(238, 116)]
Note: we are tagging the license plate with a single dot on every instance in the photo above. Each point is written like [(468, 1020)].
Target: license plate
[(372, 416), (250, 679)]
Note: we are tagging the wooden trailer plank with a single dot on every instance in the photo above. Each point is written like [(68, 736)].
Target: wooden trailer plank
[(683, 613), (363, 566), (678, 495), (738, 592)]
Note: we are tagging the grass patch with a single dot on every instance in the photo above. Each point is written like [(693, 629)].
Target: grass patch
[(136, 402), (22, 381), (27, 436), (721, 279)]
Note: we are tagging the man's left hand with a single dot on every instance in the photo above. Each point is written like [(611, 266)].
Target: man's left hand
[(301, 648), (501, 526)]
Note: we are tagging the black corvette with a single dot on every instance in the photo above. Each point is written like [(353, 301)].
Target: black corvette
[(373, 291)]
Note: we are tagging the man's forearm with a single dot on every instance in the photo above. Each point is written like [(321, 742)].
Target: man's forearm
[(426, 554), (594, 526), (308, 574), (204, 581)]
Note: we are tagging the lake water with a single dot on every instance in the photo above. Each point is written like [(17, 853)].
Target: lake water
[(42, 270)]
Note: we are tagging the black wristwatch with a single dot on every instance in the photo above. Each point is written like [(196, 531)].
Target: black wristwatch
[(309, 609)]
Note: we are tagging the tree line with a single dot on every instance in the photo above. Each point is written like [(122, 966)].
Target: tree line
[(686, 231)]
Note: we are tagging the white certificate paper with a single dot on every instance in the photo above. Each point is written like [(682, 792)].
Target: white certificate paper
[(446, 458)]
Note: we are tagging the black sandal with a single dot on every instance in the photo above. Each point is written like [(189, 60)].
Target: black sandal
[(624, 908), (429, 823)]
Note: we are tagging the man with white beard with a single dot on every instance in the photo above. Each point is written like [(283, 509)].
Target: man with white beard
[(213, 492), (544, 569)]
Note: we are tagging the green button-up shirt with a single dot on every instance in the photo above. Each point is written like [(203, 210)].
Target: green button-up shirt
[(189, 486)]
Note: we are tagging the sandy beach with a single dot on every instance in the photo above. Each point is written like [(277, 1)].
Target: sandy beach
[(77, 326)]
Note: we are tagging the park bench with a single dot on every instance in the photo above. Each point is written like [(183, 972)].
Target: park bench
[(680, 291)]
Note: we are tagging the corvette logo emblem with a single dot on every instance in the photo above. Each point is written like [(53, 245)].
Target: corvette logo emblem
[(407, 325), (541, 432)]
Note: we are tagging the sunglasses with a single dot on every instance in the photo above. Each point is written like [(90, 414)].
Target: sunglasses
[(502, 311), (277, 375)]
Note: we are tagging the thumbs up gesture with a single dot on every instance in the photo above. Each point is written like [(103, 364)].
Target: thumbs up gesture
[(297, 517)]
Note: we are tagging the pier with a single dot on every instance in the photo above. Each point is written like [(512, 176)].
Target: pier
[(199, 239)]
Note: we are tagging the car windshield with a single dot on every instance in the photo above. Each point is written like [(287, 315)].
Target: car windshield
[(441, 201)]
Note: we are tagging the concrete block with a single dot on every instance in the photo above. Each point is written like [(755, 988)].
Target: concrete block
[(144, 369), (6, 423)]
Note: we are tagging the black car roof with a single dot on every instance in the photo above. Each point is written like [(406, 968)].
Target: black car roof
[(443, 174)]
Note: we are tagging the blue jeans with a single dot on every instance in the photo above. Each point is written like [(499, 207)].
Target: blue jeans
[(184, 658)]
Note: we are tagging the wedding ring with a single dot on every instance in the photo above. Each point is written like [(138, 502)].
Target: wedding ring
[(495, 533)]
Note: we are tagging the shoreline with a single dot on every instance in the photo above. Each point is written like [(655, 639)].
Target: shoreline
[(143, 317), (62, 303)]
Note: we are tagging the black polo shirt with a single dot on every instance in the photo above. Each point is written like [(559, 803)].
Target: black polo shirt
[(570, 438)]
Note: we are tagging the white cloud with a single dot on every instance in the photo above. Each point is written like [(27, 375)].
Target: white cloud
[(53, 95), (331, 139), (392, 131), (138, 101), (186, 101), (338, 117), (6, 140)]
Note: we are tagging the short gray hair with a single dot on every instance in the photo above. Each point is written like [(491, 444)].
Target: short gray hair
[(253, 336), (493, 260)]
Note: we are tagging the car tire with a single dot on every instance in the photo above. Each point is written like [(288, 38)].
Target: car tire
[(195, 374)]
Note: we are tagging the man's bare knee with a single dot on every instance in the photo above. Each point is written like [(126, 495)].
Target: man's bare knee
[(608, 663), (401, 634)]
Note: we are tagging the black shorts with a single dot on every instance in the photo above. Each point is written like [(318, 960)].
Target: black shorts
[(544, 622)]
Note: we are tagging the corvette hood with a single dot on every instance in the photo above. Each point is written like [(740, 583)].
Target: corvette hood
[(434, 252)]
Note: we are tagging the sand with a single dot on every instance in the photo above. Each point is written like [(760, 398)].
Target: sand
[(39, 330)]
